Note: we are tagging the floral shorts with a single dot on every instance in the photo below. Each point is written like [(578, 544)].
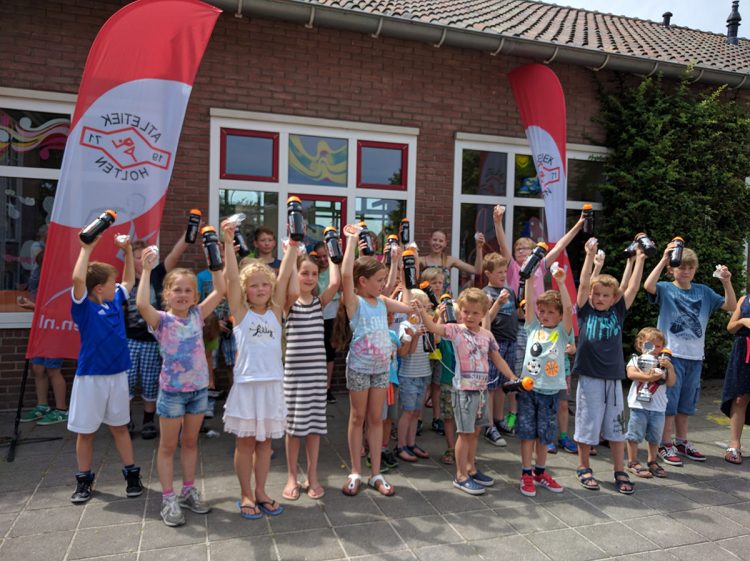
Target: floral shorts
[(359, 381)]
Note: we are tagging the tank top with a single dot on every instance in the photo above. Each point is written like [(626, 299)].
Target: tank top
[(370, 349), (258, 340)]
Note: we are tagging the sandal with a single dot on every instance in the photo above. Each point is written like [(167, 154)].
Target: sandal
[(316, 493), (623, 483), (254, 513), (352, 485), (294, 494), (417, 451), (405, 454), (733, 456), (265, 508), (379, 483), (656, 470), (589, 482), (639, 470), (449, 457)]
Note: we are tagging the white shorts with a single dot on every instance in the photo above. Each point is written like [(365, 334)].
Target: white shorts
[(599, 411), (97, 399)]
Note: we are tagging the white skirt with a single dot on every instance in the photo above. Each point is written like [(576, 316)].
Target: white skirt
[(256, 409)]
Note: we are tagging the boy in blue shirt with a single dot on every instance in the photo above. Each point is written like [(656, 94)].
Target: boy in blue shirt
[(684, 309), (100, 390)]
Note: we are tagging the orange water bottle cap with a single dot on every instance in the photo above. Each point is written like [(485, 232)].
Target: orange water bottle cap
[(528, 383), (293, 199)]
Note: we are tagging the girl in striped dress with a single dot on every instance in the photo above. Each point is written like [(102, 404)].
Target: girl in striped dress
[(305, 380)]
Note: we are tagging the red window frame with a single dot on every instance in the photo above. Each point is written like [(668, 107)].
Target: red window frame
[(274, 136), (404, 148)]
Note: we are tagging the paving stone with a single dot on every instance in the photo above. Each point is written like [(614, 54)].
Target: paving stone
[(96, 542), (158, 535), (621, 507), (43, 521), (298, 516), (405, 503), (257, 549), (563, 545), (710, 523), (448, 552), (449, 499), (658, 555), (577, 512), (368, 539), (706, 496), (423, 531), (404, 555), (31, 548), (479, 524), (665, 531), (310, 545), (617, 539), (530, 518), (740, 547), (701, 552), (5, 522), (125, 511), (224, 522), (738, 512), (14, 501), (666, 500), (342, 510), (195, 552), (509, 548)]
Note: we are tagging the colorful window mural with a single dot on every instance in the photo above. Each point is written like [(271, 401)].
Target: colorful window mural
[(32, 138), (318, 160)]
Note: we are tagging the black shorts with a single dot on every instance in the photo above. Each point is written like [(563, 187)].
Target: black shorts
[(328, 334)]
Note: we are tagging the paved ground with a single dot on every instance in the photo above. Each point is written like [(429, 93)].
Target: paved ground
[(701, 512)]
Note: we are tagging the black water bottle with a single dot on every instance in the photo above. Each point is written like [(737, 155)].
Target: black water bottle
[(212, 248), (333, 245), (194, 222), (389, 243), (646, 243), (405, 231), (675, 256), (410, 269), (95, 228), (239, 239), (525, 384), (427, 289), (428, 342), (629, 251), (588, 219), (295, 219), (450, 311), (364, 235)]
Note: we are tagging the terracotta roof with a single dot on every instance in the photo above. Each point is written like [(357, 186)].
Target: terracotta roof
[(570, 27)]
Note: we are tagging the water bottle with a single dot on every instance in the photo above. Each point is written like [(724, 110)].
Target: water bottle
[(405, 231), (212, 248), (427, 289), (194, 222), (239, 239), (389, 243), (450, 311), (525, 384), (333, 245), (629, 251), (364, 235), (532, 261), (428, 342), (646, 243), (675, 256), (95, 228), (410, 269), (588, 219), (295, 219)]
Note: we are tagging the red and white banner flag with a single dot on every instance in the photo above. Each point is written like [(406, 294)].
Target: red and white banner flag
[(121, 148), (541, 102)]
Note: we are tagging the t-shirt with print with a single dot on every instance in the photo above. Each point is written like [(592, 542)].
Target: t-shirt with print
[(658, 393), (104, 348), (471, 350), (545, 357), (416, 364), (184, 367), (683, 316), (370, 349), (599, 353), (505, 325)]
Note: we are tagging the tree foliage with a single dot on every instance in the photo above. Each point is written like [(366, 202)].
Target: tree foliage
[(677, 167)]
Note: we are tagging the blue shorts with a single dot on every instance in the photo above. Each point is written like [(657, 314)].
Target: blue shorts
[(411, 392), (508, 352), (173, 405), (537, 417), (683, 396), (47, 362), (645, 423), (145, 367)]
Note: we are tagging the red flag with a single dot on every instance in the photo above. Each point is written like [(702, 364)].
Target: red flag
[(120, 151)]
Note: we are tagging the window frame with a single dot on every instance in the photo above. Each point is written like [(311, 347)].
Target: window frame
[(403, 148), (273, 137)]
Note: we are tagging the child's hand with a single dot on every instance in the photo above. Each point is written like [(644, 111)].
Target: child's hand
[(599, 258), (479, 237), (149, 258), (558, 272), (722, 273), (396, 252), (122, 241), (498, 212), (591, 247), (654, 375), (504, 296), (351, 230), (228, 228)]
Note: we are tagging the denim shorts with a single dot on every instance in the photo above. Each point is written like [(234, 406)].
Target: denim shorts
[(645, 423), (361, 381), (537, 417), (508, 352), (683, 396), (47, 362), (173, 405), (470, 410), (411, 392)]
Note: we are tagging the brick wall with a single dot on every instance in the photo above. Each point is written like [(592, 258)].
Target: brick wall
[(276, 67)]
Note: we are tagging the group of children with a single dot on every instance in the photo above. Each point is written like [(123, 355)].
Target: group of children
[(402, 348)]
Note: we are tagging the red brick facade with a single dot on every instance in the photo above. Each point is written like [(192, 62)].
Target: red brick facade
[(276, 67)]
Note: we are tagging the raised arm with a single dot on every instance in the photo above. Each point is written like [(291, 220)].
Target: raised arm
[(209, 303), (235, 298), (627, 272), (497, 217), (635, 281), (288, 265), (585, 280), (650, 284), (80, 269), (334, 283), (143, 296), (563, 242), (730, 298), (530, 297), (491, 314), (393, 272), (349, 296), (567, 304), (429, 324), (128, 271), (171, 260), (598, 263)]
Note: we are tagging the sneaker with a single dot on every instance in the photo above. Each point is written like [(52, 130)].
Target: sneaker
[(483, 479), (668, 454), (502, 427), (383, 468), (420, 427), (134, 487), (528, 488), (148, 431), (53, 417), (83, 488), (492, 436), (214, 394), (469, 486), (171, 512), (388, 459), (438, 426), (192, 501), (330, 398), (35, 414), (551, 448), (545, 480), (568, 445), (685, 449)]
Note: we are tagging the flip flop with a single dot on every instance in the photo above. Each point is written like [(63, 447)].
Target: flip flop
[(352, 485), (379, 483), (316, 493), (265, 508), (294, 495), (249, 515), (733, 456)]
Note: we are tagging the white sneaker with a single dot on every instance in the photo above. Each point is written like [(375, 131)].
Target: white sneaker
[(192, 501), (171, 512)]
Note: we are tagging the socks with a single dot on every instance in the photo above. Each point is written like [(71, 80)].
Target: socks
[(167, 494), (525, 470), (148, 417), (186, 486), (539, 470), (563, 435), (679, 441)]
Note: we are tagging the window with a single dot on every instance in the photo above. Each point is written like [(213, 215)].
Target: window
[(326, 163), (34, 127), (493, 170)]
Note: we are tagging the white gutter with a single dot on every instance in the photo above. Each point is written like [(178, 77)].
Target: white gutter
[(381, 25)]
